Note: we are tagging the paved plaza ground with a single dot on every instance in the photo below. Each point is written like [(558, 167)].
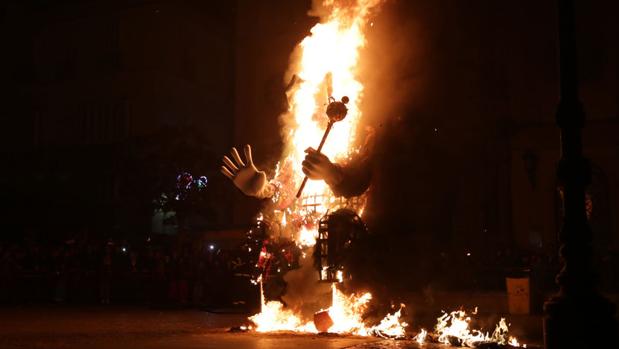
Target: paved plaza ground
[(93, 327)]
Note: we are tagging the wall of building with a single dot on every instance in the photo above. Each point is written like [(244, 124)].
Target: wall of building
[(105, 80)]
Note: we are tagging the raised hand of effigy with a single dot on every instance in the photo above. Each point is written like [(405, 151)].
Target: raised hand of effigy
[(245, 175)]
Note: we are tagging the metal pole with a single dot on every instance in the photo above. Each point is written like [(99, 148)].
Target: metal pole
[(578, 316)]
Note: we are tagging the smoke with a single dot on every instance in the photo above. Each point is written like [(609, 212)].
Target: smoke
[(346, 14), (319, 9), (394, 63), (304, 294), (325, 8)]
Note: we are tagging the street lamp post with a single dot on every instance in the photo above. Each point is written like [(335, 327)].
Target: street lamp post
[(578, 316)]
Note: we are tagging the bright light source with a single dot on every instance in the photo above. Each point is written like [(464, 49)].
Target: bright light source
[(211, 247)]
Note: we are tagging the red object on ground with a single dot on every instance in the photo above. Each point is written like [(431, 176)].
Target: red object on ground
[(323, 321)]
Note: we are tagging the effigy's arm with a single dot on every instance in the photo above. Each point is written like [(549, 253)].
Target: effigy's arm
[(355, 178)]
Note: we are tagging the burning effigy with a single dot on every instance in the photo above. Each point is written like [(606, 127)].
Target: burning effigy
[(305, 231), (324, 97)]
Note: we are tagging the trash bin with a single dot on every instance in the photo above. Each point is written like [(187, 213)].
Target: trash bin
[(518, 292)]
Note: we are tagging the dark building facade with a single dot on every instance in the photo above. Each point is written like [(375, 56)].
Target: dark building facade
[(93, 87), (97, 88)]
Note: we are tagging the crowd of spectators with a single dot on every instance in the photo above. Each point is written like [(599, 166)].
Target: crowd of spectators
[(163, 274), (175, 273)]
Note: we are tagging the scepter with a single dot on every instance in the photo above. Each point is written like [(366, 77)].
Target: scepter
[(336, 111)]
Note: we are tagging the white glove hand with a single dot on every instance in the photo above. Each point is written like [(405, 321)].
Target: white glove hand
[(245, 175)]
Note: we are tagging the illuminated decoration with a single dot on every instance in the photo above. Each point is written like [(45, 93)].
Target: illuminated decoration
[(177, 202), (185, 184), (186, 188)]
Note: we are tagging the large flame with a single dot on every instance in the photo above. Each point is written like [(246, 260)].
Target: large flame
[(273, 317), (345, 311), (327, 67)]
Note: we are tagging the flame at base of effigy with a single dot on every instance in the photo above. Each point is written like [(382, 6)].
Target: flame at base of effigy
[(344, 316)]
